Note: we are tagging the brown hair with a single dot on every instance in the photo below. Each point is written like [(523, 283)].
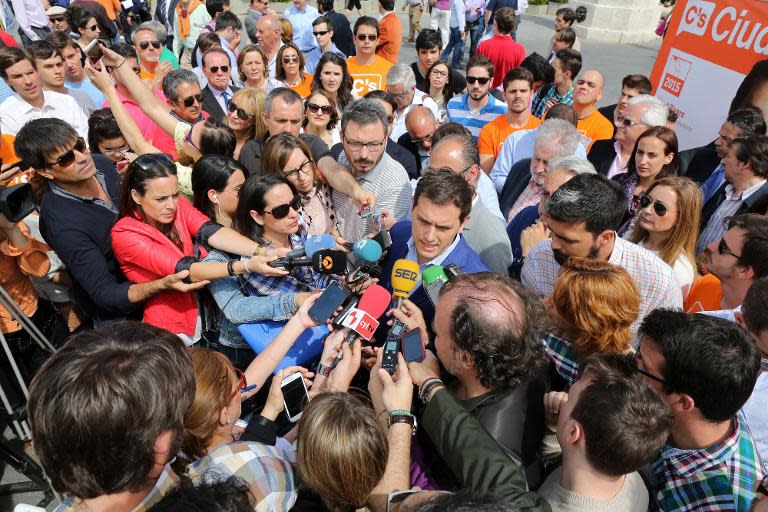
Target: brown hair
[(244, 52), (685, 232), (278, 150), (206, 41), (334, 119), (286, 31), (600, 300), (342, 449), (280, 71), (669, 139), (11, 55), (445, 187)]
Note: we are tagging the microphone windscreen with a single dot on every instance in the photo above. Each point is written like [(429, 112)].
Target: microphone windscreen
[(433, 273), (405, 273), (367, 250), (327, 261), (316, 243), (375, 300)]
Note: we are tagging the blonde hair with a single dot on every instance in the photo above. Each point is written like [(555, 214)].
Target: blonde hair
[(252, 100), (600, 301), (342, 449), (682, 238), (286, 30)]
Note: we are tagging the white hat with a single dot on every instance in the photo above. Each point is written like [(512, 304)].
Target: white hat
[(56, 9)]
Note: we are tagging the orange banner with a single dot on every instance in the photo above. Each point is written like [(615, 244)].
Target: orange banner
[(709, 48)]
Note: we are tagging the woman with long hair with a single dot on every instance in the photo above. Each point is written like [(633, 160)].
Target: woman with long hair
[(216, 182), (244, 116), (655, 156), (289, 69), (440, 81), (157, 234), (591, 309), (253, 66), (668, 225), (289, 157), (321, 117), (333, 77)]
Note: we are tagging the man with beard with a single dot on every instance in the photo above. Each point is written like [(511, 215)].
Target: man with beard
[(476, 108), (582, 216), (518, 83)]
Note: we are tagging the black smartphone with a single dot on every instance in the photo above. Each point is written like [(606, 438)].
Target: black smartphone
[(295, 395), (325, 305), (413, 346)]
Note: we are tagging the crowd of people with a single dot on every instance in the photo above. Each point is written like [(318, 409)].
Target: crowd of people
[(599, 345)]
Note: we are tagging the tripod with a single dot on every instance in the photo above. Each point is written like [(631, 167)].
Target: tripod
[(15, 458)]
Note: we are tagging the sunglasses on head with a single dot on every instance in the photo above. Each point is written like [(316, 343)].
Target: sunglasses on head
[(188, 102), (659, 208), (281, 211), (290, 58), (320, 33), (241, 114), (66, 159), (145, 44), (215, 69), (482, 79), (314, 107), (370, 37)]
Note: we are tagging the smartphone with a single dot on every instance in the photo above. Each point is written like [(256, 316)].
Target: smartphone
[(90, 46), (295, 396), (327, 303), (413, 346)]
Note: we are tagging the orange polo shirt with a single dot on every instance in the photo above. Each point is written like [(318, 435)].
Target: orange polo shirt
[(390, 37), (705, 295), (493, 135), (595, 127)]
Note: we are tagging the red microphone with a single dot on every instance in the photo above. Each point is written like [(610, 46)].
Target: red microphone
[(362, 320)]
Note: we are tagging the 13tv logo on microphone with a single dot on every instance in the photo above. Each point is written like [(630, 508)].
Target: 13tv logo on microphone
[(361, 322)]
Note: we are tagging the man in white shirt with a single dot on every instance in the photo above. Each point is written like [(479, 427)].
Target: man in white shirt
[(50, 66), (401, 84), (30, 101), (32, 20)]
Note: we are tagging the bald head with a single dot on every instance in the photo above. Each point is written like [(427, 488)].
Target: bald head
[(268, 29), (588, 88), (458, 153), (421, 124)]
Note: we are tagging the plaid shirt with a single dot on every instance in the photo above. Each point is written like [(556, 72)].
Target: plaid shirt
[(266, 470), (720, 477), (563, 357), (655, 280), (539, 106)]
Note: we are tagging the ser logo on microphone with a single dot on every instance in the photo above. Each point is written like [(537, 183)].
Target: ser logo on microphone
[(407, 274)]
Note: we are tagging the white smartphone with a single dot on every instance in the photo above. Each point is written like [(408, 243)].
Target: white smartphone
[(90, 46), (295, 395)]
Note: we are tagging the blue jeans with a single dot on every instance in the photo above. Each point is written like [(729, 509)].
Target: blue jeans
[(475, 30), (455, 44)]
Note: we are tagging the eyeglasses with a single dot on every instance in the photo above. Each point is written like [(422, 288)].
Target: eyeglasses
[(482, 79), (56, 19), (291, 59), (320, 33), (314, 107), (722, 248), (659, 208), (93, 28), (628, 123), (646, 373), (145, 44), (399, 97), (215, 69), (188, 102), (440, 73), (354, 145), (242, 383), (281, 211), (304, 168), (370, 37), (66, 159), (116, 151), (241, 114), (428, 138)]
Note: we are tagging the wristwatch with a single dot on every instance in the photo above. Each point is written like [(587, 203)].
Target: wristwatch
[(403, 416)]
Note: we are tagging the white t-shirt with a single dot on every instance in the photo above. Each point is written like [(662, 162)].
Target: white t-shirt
[(682, 268)]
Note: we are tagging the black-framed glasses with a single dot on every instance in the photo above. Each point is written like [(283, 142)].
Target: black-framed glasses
[(241, 114), (646, 373), (370, 37), (314, 107), (440, 73), (627, 122), (659, 208), (481, 79), (320, 33), (722, 248), (370, 146), (145, 44), (281, 211), (188, 102), (66, 159), (304, 168), (288, 59), (215, 69)]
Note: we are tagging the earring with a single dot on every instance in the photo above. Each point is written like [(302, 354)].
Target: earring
[(215, 199)]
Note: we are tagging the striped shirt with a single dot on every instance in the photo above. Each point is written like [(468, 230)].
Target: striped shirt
[(266, 470), (539, 107), (389, 182), (720, 477), (716, 227), (655, 280), (460, 112)]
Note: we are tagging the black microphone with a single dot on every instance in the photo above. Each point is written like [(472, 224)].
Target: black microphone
[(329, 262)]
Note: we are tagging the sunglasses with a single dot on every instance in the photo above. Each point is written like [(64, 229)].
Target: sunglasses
[(66, 159), (188, 102), (242, 383), (659, 208), (320, 33), (722, 248), (281, 211), (291, 59), (56, 20), (145, 44), (93, 27), (482, 79), (646, 373), (628, 123), (215, 69), (148, 161), (314, 107), (241, 114), (370, 37)]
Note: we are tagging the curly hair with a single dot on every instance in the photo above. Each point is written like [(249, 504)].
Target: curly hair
[(498, 322)]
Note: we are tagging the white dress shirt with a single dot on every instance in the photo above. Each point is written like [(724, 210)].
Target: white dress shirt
[(15, 112)]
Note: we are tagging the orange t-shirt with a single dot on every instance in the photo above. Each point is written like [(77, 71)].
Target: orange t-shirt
[(390, 37), (304, 88), (595, 127), (705, 295), (368, 78), (493, 135)]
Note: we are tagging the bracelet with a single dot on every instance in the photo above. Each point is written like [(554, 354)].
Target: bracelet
[(257, 251), (323, 369), (245, 266), (395, 412), (118, 66), (426, 384), (426, 389), (231, 267)]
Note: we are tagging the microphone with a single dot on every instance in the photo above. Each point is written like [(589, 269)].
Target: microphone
[(313, 244), (405, 273), (362, 320), (433, 278), (367, 250), (325, 261)]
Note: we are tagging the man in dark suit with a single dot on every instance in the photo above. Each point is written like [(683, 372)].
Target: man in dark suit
[(441, 206), (217, 68), (342, 32)]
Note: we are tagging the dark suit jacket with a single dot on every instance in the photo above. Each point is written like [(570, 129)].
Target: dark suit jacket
[(525, 218), (342, 33), (517, 179), (601, 154), (462, 256), (405, 142), (719, 197), (212, 106), (393, 149), (698, 163)]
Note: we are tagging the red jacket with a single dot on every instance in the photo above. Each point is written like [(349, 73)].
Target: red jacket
[(145, 254)]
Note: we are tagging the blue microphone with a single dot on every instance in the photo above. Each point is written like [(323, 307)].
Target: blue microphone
[(367, 250)]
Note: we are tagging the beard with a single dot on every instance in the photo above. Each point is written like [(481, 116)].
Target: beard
[(562, 258)]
